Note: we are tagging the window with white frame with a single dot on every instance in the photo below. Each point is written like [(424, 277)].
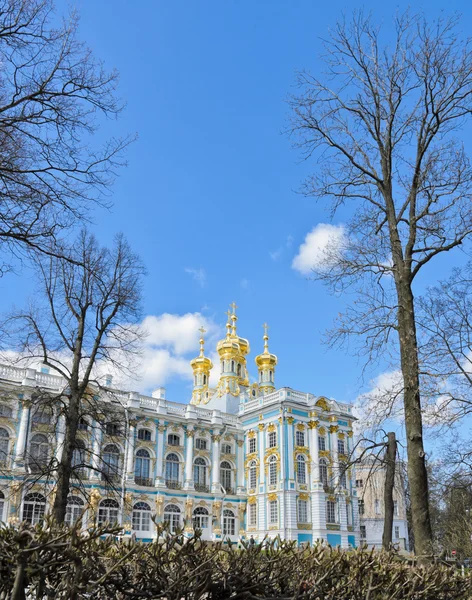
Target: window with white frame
[(273, 512), (108, 510), (78, 455), (272, 439), (273, 470), (172, 470), (331, 512), (377, 507), (113, 429), (226, 475), (110, 461), (252, 445), (172, 517), (397, 532), (229, 522), (343, 480), (359, 483), (252, 474), (38, 453), (226, 449), (141, 517), (252, 515), (323, 472), (321, 443), (200, 444), (363, 532), (341, 447), (361, 507), (4, 445), (301, 469), (82, 425), (34, 507), (395, 508), (300, 438), (145, 435), (173, 440), (74, 510), (349, 513), (200, 474), (200, 518), (302, 511)]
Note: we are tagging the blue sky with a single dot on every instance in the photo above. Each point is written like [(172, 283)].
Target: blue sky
[(209, 197)]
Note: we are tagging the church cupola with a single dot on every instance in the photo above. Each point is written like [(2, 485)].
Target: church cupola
[(232, 350), (266, 363), (201, 366)]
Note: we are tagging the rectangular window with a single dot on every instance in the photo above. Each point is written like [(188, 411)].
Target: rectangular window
[(273, 512), (377, 507), (273, 473), (349, 513), (363, 532), (359, 483), (395, 508), (397, 532), (252, 445), (300, 438), (341, 447), (361, 507), (302, 511), (322, 443), (200, 444), (272, 439), (252, 516), (112, 429), (330, 511)]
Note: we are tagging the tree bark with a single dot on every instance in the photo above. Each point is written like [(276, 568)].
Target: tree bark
[(390, 459)]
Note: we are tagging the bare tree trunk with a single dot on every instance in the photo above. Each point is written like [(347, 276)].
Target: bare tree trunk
[(417, 474), (390, 459)]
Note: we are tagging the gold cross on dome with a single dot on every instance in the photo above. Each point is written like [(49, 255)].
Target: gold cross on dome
[(202, 330), (266, 327), (228, 314), (234, 307)]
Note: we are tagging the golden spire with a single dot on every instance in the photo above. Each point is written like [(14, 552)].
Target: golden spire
[(202, 340), (201, 366), (234, 318), (266, 339), (266, 363)]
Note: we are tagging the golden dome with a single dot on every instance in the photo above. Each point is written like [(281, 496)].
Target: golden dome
[(201, 362), (266, 360), (230, 343)]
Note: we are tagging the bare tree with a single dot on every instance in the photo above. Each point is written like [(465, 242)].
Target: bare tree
[(382, 124), (52, 89), (88, 318)]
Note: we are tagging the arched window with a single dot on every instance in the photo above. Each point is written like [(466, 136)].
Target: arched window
[(239, 370), (173, 440), (74, 510), (272, 439), (142, 467), (323, 472), (141, 518), (253, 393), (204, 379), (34, 507), (172, 517), (200, 518), (271, 375), (252, 474), (108, 512), (226, 475), (2, 506), (229, 522), (145, 435), (301, 469), (4, 445), (78, 455), (273, 470), (38, 454), (111, 461), (200, 474), (232, 366), (172, 471)]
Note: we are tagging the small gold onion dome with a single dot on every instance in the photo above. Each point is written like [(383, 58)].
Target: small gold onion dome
[(230, 343), (201, 362), (266, 359)]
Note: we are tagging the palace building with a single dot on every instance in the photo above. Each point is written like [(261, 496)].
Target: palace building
[(239, 460)]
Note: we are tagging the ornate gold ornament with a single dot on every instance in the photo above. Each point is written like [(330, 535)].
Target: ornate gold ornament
[(251, 434), (300, 427), (159, 505), (290, 420), (261, 426), (341, 435), (323, 404), (303, 496), (252, 500), (305, 526), (271, 427), (333, 428), (190, 433), (272, 497)]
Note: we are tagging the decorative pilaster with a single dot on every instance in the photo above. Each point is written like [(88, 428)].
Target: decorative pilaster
[(160, 482), (131, 445), (215, 467), (20, 448), (241, 488), (314, 451), (291, 472), (261, 439), (188, 478), (333, 434)]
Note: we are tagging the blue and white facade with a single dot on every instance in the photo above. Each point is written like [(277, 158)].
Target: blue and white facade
[(239, 460)]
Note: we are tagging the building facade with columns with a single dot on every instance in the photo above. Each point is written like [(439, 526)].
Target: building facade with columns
[(239, 460)]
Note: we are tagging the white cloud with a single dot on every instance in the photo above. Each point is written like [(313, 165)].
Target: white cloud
[(179, 333), (384, 400), (319, 248), (198, 274)]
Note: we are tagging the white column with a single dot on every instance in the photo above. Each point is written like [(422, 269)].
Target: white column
[(131, 446), (290, 448), (96, 450), (60, 437), (333, 432), (261, 437), (160, 482), (188, 479), (314, 451), (240, 474), (215, 468), (22, 433)]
